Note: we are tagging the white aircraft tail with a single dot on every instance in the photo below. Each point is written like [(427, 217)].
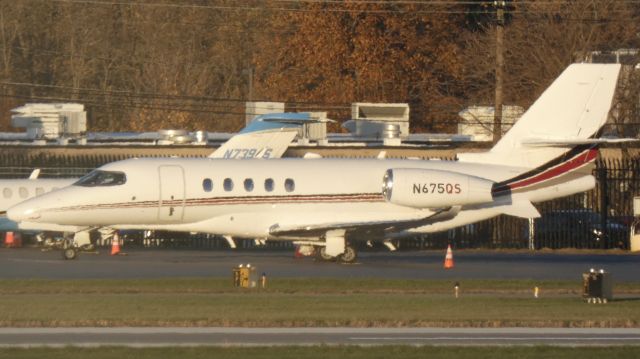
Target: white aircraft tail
[(271, 143), (554, 142), (266, 136), (569, 113)]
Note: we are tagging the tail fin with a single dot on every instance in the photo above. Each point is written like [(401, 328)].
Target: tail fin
[(570, 111), (261, 144), (266, 136)]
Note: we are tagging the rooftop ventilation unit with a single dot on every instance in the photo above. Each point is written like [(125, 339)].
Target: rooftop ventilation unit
[(51, 121), (253, 109), (388, 122), (477, 121)]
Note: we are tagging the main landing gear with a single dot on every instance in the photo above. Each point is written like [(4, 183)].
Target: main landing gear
[(348, 256), (336, 248), (331, 247)]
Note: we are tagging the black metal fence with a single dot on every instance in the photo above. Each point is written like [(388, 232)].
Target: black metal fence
[(597, 219)]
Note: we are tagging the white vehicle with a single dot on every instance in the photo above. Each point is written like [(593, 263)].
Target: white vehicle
[(328, 203)]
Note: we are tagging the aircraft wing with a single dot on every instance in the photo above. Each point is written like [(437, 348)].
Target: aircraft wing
[(33, 226), (365, 227)]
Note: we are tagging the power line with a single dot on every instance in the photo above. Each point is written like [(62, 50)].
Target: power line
[(150, 95), (435, 6), (247, 8), (121, 107), (192, 101)]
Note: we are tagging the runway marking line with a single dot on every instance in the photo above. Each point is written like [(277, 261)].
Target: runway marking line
[(492, 338)]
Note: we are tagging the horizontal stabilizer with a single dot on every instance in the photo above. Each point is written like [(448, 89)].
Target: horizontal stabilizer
[(296, 121), (571, 142), (522, 209), (285, 119)]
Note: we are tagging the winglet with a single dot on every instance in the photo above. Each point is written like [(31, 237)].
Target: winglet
[(312, 155), (35, 174)]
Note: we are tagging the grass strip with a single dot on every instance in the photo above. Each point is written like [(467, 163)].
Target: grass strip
[(310, 286), (298, 303)]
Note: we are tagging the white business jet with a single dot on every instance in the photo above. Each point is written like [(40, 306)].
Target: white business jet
[(329, 203), (267, 136)]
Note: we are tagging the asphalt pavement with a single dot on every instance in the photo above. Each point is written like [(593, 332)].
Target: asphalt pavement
[(171, 337), (469, 264)]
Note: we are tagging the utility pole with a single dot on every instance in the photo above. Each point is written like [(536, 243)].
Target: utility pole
[(249, 72), (497, 114), (251, 83)]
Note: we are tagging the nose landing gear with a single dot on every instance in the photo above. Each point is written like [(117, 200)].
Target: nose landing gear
[(69, 250)]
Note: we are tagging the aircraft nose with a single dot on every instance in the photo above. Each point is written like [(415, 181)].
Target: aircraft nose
[(23, 212)]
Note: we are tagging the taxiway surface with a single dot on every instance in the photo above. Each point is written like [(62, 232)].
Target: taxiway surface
[(171, 337), (469, 264)]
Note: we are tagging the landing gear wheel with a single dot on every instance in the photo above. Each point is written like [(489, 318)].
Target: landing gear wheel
[(69, 253), (349, 255), (321, 254)]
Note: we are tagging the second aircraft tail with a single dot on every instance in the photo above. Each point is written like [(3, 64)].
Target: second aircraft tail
[(567, 115)]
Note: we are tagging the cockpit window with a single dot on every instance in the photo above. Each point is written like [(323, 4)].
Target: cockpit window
[(102, 179)]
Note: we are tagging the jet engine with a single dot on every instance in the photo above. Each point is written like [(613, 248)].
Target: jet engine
[(421, 188)]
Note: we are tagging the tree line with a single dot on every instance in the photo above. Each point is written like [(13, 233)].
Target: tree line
[(153, 64)]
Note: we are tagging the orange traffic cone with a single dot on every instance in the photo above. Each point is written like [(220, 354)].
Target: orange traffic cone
[(115, 244), (297, 253), (9, 240), (448, 259)]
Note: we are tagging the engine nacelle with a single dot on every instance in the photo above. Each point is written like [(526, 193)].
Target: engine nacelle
[(421, 188)]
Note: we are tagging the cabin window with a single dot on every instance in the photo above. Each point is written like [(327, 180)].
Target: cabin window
[(268, 184), (207, 185), (7, 193), (228, 184), (289, 185), (100, 178), (23, 192), (39, 191), (248, 185)]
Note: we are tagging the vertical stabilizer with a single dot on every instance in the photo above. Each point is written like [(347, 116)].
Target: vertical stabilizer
[(573, 108), (267, 136)]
